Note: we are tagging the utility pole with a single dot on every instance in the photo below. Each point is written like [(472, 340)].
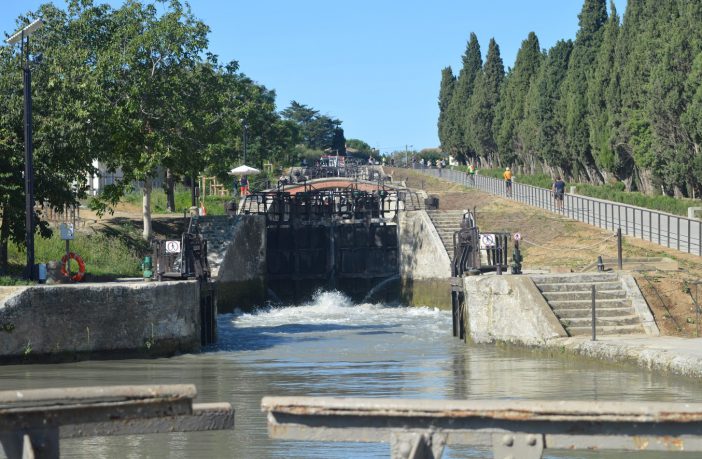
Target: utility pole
[(406, 161)]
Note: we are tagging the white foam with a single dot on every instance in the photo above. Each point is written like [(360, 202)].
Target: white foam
[(334, 307)]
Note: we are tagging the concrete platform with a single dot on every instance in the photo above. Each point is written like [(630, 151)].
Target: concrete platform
[(681, 356)]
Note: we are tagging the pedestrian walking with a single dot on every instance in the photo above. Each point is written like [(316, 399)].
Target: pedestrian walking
[(507, 175), (558, 192)]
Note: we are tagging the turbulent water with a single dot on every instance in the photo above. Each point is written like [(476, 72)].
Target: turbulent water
[(332, 347)]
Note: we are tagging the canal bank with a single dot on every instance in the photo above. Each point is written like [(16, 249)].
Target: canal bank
[(48, 323), (512, 310), (334, 347)]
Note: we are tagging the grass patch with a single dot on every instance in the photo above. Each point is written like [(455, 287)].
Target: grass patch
[(112, 251), (213, 204)]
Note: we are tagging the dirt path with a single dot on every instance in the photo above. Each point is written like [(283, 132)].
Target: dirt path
[(560, 244)]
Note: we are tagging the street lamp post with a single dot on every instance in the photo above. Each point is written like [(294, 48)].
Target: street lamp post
[(22, 36), (246, 132)]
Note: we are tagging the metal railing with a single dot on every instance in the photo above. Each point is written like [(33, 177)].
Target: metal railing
[(667, 230), (518, 429)]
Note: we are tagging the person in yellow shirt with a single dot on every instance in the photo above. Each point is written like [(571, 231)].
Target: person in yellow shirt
[(507, 175)]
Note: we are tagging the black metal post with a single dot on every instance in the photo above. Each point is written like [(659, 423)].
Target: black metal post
[(28, 166), (246, 129), (619, 248), (594, 319)]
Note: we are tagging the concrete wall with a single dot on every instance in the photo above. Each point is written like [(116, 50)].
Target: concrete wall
[(508, 308), (68, 322), (422, 254), (425, 267), (639, 303), (242, 273)]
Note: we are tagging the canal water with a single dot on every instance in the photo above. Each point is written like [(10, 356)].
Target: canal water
[(332, 347)]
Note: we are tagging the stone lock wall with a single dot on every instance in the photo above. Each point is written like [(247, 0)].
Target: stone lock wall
[(65, 322)]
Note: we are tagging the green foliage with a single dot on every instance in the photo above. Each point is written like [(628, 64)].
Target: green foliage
[(448, 80), (458, 134), (317, 131), (509, 112), (621, 102), (481, 113)]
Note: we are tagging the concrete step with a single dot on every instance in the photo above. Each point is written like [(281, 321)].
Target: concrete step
[(584, 295), (574, 278), (583, 304), (606, 330), (602, 321), (586, 312), (579, 286)]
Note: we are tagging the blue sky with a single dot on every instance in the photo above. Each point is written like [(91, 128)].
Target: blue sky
[(374, 64)]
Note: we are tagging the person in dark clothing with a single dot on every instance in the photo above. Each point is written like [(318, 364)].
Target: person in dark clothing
[(558, 192)]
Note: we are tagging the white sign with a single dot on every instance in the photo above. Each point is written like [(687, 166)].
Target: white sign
[(487, 241), (66, 231), (172, 246), (517, 237)]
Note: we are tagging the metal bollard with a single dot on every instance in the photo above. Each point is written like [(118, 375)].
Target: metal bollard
[(594, 319)]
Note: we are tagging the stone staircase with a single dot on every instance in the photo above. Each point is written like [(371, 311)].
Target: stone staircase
[(446, 222), (218, 231), (570, 298)]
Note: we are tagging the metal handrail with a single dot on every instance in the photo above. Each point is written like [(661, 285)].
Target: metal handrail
[(668, 230)]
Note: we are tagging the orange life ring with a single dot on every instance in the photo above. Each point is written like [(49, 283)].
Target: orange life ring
[(77, 277)]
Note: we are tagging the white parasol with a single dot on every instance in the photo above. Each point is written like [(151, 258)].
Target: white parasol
[(244, 170)]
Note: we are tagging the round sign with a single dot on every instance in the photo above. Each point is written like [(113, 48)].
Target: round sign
[(517, 236), (172, 246)]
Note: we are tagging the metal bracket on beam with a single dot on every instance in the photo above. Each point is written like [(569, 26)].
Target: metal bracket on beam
[(517, 445), (417, 445)]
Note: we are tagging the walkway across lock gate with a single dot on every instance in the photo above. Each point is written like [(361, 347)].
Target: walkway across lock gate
[(667, 230)]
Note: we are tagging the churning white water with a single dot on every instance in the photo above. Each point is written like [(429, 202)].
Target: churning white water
[(332, 347)]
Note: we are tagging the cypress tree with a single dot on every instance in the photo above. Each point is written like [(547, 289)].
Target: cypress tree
[(545, 111), (509, 112), (635, 57), (458, 134), (592, 18), (448, 81), (602, 99), (485, 98)]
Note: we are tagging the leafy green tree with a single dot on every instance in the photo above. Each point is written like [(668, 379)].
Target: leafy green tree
[(359, 145), (317, 130), (149, 56), (66, 117), (458, 133), (486, 95)]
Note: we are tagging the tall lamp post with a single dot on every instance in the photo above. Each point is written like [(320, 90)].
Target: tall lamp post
[(245, 125), (22, 37)]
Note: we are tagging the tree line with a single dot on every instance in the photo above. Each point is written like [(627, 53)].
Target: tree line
[(623, 101), (136, 88)]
